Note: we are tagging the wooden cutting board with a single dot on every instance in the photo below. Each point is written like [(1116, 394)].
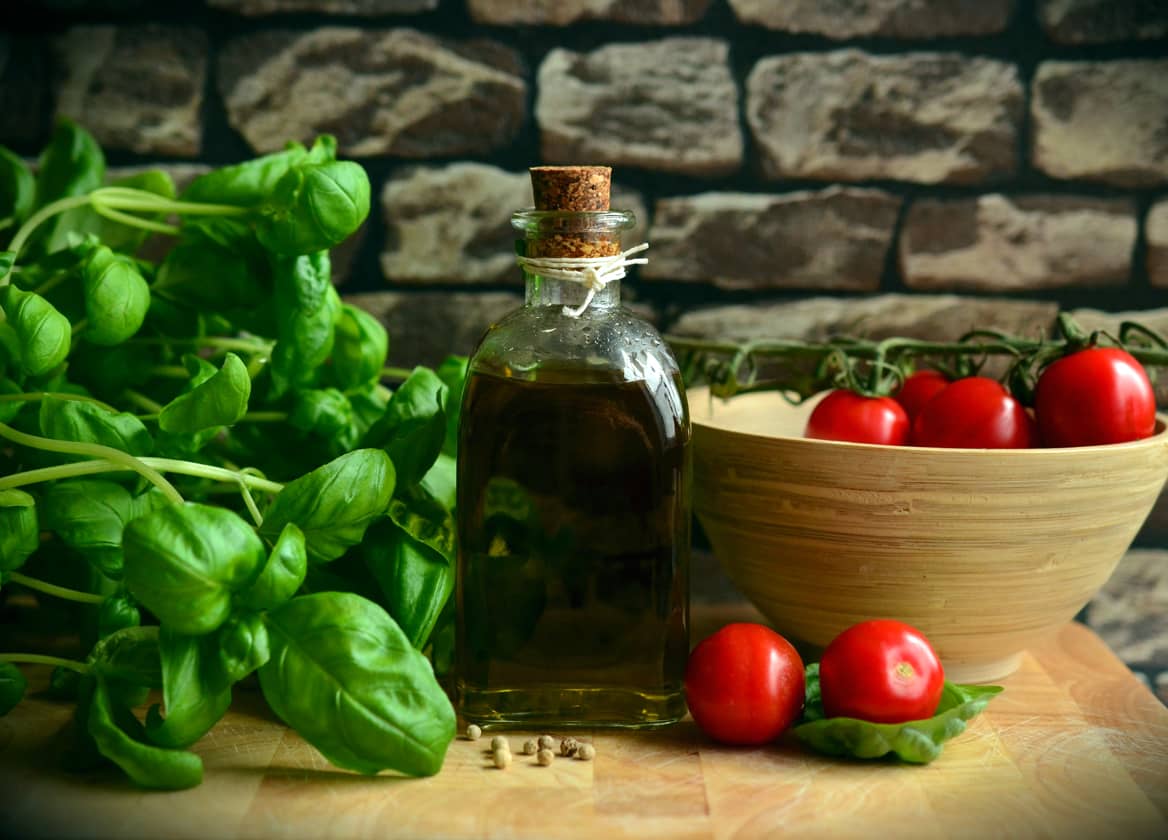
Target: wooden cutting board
[(1075, 747)]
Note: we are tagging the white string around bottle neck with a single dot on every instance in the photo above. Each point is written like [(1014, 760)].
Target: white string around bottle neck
[(594, 273)]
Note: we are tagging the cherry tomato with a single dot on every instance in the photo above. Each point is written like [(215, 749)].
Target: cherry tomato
[(976, 413), (883, 671), (845, 415), (919, 387), (1098, 395), (744, 684)]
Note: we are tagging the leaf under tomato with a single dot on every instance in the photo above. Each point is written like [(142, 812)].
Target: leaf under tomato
[(915, 741)]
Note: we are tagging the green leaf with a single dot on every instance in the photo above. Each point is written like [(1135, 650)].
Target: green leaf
[(42, 334), (129, 656), (335, 503), (415, 580), (453, 372), (17, 189), (345, 677), (245, 184), (206, 274), (360, 348), (87, 422), (325, 412), (440, 482), (422, 517), (413, 427), (116, 612), (916, 742), (89, 515), (306, 314), (71, 164), (185, 562), (120, 738), (220, 400), (19, 533), (282, 575), (12, 687), (194, 695), (7, 260), (314, 207), (116, 297), (243, 646)]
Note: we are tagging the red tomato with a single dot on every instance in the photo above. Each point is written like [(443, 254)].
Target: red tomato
[(977, 413), (1098, 395), (845, 415), (882, 671), (744, 684), (919, 387)]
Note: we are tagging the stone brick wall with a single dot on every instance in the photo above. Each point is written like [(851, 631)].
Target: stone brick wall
[(801, 167)]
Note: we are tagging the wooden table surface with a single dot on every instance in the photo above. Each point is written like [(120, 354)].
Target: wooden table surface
[(1075, 747)]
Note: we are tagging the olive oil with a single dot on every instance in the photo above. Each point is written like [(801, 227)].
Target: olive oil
[(573, 499)]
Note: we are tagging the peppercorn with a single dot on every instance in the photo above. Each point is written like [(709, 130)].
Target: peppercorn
[(529, 747), (499, 742), (568, 746), (544, 757), (502, 758), (546, 742), (473, 732), (586, 752)]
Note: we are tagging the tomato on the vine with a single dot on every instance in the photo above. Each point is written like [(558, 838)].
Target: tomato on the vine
[(846, 415), (1094, 396), (883, 671), (975, 413), (919, 387), (744, 684)]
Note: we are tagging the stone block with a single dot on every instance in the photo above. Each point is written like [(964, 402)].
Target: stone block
[(24, 91), (829, 239), (843, 19), (669, 105), (379, 91), (426, 327), (997, 243), (368, 8), (564, 12), (1101, 21), (452, 224), (137, 88), (1156, 233), (1101, 121), (847, 115)]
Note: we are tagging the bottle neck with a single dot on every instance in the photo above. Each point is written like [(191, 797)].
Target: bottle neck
[(543, 291)]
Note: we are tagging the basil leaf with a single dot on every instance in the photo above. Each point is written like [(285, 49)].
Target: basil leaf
[(306, 314), (120, 738), (116, 612), (202, 272), (327, 413), (87, 422), (116, 297), (345, 677), (42, 335), (453, 372), (71, 164), (425, 520), (360, 347), (413, 428), (185, 562), (314, 207), (335, 503), (245, 184), (17, 188), (89, 515), (916, 742), (194, 698), (220, 400), (415, 580), (19, 532), (129, 656), (441, 481), (243, 647), (13, 684), (282, 575)]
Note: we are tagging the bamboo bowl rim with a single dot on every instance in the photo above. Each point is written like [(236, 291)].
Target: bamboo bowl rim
[(706, 419)]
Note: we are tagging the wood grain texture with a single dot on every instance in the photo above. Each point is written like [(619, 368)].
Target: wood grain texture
[(986, 551), (1075, 747)]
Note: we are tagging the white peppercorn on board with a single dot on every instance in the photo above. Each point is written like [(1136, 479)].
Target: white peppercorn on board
[(1075, 747)]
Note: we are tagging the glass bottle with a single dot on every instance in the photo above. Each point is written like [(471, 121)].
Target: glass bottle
[(573, 499)]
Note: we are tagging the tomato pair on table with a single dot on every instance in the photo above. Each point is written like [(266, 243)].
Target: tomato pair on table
[(745, 684), (1099, 395)]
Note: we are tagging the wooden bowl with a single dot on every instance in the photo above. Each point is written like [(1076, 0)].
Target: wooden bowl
[(984, 551)]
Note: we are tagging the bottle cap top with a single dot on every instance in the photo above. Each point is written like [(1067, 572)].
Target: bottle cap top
[(576, 189)]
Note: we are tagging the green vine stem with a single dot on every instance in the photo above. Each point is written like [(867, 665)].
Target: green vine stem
[(875, 367), (54, 590), (41, 659), (168, 465)]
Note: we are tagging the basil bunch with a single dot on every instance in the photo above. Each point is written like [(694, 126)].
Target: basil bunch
[(202, 473)]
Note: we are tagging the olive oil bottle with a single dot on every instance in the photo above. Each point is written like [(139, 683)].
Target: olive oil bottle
[(573, 492)]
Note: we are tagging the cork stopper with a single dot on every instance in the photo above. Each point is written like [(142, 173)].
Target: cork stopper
[(576, 189), (573, 189)]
